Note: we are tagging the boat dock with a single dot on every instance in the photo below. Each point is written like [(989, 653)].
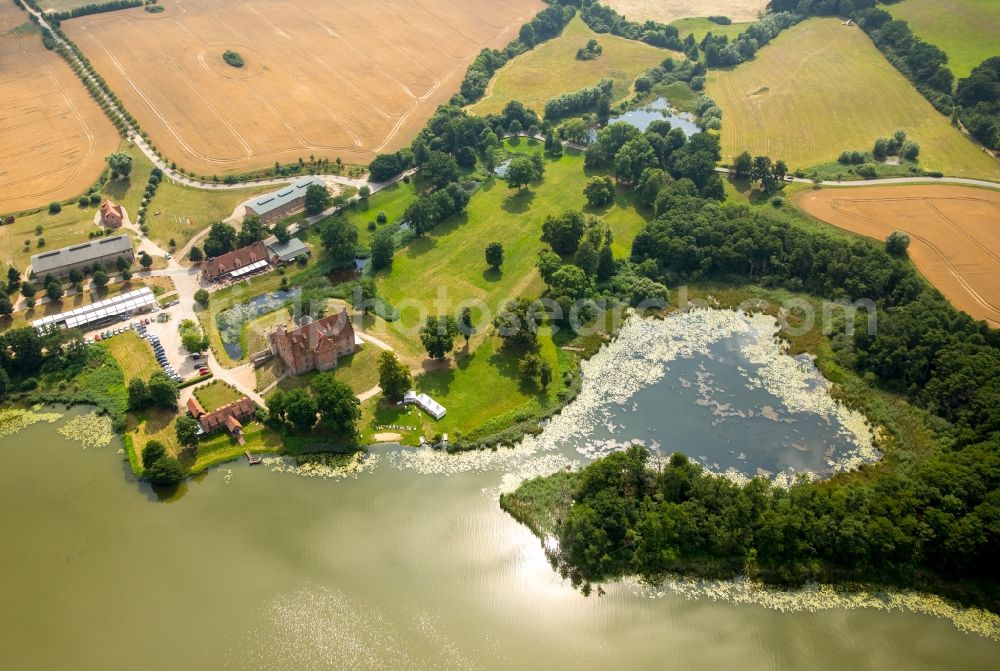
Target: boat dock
[(252, 459)]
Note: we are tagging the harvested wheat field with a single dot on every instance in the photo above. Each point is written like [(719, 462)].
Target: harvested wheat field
[(53, 137), (954, 232), (337, 78), (821, 88), (666, 11)]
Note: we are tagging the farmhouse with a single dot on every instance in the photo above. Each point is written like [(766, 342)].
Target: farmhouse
[(227, 417), (284, 202), (112, 214), (316, 345), (59, 262), (237, 263)]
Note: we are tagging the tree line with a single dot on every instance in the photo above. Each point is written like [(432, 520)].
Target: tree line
[(96, 8), (594, 97), (924, 519)]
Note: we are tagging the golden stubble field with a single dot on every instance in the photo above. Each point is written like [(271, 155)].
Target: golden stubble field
[(53, 136), (954, 234), (666, 11), (333, 78)]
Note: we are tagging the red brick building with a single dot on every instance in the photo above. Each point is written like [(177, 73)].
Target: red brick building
[(252, 258), (112, 215), (227, 417), (317, 345)]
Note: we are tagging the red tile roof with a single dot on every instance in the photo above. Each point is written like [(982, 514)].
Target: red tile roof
[(220, 418), (234, 260), (195, 407)]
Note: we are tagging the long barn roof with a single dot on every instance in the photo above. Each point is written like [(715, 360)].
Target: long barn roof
[(272, 201), (87, 251)]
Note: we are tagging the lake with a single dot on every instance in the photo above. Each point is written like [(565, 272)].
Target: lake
[(408, 562)]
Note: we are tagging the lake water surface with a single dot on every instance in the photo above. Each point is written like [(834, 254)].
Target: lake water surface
[(410, 563)]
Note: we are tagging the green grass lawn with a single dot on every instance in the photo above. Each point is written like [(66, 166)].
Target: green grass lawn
[(133, 354), (216, 394), (451, 260), (700, 27), (480, 390), (392, 200), (221, 447), (551, 69), (359, 371), (967, 30), (179, 212), (821, 88)]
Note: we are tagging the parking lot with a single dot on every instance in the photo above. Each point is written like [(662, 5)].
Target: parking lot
[(164, 339)]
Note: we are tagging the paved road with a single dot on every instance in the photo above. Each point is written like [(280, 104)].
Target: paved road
[(889, 181)]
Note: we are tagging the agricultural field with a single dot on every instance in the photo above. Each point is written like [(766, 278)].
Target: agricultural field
[(667, 11), (327, 79), (821, 88), (966, 30), (955, 242), (53, 136), (551, 69)]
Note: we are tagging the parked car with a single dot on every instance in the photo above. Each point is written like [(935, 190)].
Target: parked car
[(97, 336), (196, 355)]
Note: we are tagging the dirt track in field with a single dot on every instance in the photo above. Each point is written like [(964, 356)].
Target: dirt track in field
[(53, 136), (336, 78), (954, 232)]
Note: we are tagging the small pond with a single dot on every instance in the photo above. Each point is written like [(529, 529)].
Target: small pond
[(232, 320), (658, 109)]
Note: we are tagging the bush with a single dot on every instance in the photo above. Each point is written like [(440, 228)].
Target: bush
[(867, 171), (55, 207), (233, 59)]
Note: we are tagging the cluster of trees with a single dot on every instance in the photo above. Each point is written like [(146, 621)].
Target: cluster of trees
[(977, 99), (597, 97), (120, 164), (317, 199), (158, 467), (719, 52), (159, 391), (233, 58), (669, 71), (603, 19), (589, 52), (544, 26), (599, 191), (430, 209), (709, 113), (630, 153), (221, 239), (331, 400), (25, 354), (897, 145), (770, 174), (393, 376), (340, 238), (463, 137), (192, 337), (523, 170)]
